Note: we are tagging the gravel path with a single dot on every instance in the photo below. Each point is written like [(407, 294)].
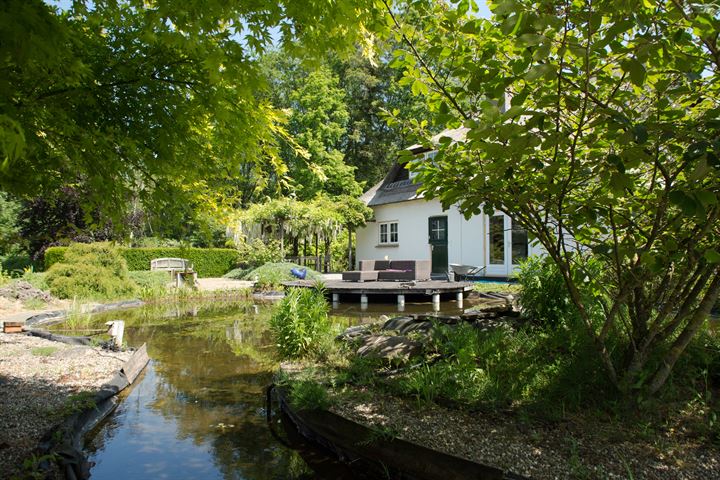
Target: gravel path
[(565, 451), (39, 385), (213, 284)]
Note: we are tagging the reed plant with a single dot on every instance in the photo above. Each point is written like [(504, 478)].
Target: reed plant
[(301, 325)]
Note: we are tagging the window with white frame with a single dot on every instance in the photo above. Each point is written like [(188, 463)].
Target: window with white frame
[(388, 233), (425, 156)]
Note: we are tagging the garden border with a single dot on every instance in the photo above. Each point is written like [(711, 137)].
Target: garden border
[(378, 454), (54, 316), (66, 440)]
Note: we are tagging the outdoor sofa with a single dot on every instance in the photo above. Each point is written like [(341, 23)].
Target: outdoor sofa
[(389, 270)]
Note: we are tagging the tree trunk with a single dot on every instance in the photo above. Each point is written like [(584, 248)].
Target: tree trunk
[(350, 255), (682, 341), (326, 263), (657, 333), (317, 252), (282, 240)]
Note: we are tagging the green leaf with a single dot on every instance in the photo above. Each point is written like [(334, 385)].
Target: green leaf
[(636, 70), (490, 111), (621, 181), (530, 39), (513, 111), (707, 198), (684, 201), (712, 256), (641, 133), (617, 162), (419, 88), (539, 71)]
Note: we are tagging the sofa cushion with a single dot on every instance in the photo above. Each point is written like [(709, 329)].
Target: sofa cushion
[(374, 264), (404, 265), (360, 276)]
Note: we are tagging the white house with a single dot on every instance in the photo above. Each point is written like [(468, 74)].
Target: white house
[(408, 227)]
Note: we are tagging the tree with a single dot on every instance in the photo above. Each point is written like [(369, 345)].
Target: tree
[(318, 220), (140, 97), (318, 119), (61, 219), (372, 92), (611, 138), (354, 214), (9, 225)]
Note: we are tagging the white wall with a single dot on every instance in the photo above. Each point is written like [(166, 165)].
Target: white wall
[(466, 238), (465, 243)]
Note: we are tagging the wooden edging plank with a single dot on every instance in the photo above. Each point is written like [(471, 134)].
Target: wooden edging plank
[(357, 443)]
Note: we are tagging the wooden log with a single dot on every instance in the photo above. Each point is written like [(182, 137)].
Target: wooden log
[(12, 327), (136, 364)]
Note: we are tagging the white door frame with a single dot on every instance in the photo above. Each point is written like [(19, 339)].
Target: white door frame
[(506, 268)]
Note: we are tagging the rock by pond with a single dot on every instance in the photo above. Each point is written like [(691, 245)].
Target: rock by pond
[(396, 347)]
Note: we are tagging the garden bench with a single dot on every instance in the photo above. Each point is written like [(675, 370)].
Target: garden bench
[(180, 269)]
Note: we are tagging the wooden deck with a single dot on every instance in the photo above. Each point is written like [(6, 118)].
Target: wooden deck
[(387, 288), (432, 288)]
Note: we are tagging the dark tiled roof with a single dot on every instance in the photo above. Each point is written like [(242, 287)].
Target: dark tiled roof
[(391, 190)]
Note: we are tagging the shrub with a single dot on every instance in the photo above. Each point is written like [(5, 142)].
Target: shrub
[(237, 273), (54, 255), (150, 284), (207, 262), (546, 372), (156, 242), (91, 271), (16, 264), (545, 297), (300, 324), (256, 252), (309, 395), (271, 275)]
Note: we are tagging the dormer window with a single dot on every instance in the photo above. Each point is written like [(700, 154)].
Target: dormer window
[(430, 155), (425, 156)]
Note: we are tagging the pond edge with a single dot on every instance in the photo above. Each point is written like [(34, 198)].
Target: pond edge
[(372, 451)]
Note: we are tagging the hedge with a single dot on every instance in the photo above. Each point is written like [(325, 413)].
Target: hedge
[(207, 262)]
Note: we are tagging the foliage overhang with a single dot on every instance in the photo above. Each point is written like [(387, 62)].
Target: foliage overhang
[(596, 118)]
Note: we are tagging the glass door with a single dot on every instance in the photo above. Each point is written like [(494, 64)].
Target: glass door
[(438, 240), (507, 245)]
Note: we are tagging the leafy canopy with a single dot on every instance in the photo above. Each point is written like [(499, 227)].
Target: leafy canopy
[(145, 96), (590, 122)]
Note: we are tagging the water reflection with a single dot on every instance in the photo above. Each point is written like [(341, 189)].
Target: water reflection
[(198, 411)]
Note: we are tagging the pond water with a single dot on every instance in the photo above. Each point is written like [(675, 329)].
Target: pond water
[(197, 411)]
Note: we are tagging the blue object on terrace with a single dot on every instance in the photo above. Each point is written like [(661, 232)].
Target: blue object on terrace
[(300, 273)]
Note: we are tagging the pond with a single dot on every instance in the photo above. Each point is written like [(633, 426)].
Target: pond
[(197, 411)]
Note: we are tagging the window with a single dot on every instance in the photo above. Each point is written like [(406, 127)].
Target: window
[(497, 240), (389, 232), (519, 244), (425, 156), (438, 229)]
